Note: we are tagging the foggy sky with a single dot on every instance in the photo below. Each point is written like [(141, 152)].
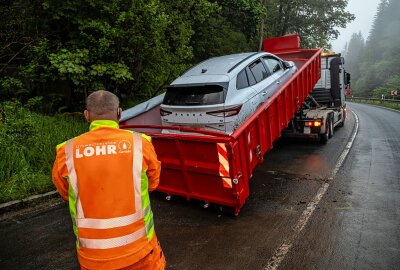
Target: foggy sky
[(364, 10)]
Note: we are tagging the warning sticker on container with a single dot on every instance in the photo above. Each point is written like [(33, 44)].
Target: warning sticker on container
[(224, 165)]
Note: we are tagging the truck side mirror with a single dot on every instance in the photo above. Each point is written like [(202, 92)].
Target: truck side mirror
[(348, 78)]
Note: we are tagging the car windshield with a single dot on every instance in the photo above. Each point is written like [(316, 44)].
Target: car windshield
[(194, 95)]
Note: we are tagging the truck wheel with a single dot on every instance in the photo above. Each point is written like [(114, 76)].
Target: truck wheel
[(330, 125), (226, 211), (341, 124), (323, 138)]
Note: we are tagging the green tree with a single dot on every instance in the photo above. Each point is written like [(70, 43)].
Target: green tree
[(22, 25), (133, 48), (316, 21), (245, 15), (380, 62), (393, 83), (353, 55), (218, 37), (61, 50), (122, 46)]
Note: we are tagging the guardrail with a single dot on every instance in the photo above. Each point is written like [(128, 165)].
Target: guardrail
[(389, 103)]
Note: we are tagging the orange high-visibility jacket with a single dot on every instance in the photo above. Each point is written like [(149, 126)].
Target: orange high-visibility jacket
[(106, 174)]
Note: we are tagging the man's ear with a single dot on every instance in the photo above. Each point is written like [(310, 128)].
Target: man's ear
[(87, 115)]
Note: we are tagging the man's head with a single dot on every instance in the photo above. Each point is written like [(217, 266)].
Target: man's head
[(102, 105)]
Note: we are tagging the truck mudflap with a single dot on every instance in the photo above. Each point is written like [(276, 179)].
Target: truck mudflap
[(215, 167)]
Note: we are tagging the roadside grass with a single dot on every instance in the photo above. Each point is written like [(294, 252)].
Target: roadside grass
[(394, 106), (27, 149)]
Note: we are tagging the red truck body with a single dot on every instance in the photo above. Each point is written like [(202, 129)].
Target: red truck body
[(216, 167)]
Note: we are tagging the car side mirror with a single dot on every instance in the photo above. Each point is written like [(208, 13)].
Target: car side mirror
[(287, 64)]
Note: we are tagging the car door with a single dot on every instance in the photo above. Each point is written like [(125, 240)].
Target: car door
[(279, 74), (264, 80)]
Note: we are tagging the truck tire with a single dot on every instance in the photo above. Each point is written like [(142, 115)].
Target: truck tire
[(226, 210), (343, 119), (330, 125), (323, 138)]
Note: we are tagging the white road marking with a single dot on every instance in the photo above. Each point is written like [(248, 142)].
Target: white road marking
[(284, 249)]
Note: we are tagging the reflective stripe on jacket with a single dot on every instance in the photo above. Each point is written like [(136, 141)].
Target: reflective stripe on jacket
[(106, 174)]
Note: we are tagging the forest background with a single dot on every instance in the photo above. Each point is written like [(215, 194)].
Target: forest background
[(374, 61)]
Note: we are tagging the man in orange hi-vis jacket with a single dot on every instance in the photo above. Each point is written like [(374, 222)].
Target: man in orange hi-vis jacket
[(106, 175)]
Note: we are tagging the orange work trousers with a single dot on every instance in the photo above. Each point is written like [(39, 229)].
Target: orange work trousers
[(155, 260)]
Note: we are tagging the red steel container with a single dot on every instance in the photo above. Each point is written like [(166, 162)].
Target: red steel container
[(215, 167)]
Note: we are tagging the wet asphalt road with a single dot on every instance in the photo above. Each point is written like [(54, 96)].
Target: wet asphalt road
[(355, 226)]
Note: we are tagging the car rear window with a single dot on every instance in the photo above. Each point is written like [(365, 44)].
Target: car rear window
[(194, 95)]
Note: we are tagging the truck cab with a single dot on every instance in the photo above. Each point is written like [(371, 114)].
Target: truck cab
[(325, 108)]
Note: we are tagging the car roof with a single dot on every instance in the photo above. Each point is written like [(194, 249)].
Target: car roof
[(220, 65), (217, 68)]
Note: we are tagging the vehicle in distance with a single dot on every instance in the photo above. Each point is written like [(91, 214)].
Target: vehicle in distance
[(220, 93)]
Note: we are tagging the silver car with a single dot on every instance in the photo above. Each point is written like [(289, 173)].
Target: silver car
[(222, 92)]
